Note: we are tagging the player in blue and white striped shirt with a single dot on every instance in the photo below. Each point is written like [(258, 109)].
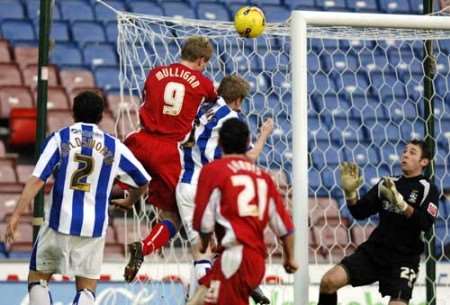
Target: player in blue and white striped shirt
[(85, 161), (205, 148)]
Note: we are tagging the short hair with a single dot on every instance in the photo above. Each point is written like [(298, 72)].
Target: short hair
[(234, 136), (426, 150), (196, 47), (233, 87), (88, 107)]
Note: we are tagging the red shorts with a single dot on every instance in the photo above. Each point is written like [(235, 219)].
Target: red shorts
[(161, 159), (226, 287)]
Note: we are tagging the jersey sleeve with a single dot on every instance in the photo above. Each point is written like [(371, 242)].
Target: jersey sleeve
[(207, 199), (279, 219), (425, 214), (367, 205), (49, 158), (130, 170)]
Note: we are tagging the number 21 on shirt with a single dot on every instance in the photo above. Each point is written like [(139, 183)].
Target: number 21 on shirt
[(173, 98), (248, 194)]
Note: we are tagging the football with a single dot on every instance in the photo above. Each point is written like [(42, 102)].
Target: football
[(249, 21)]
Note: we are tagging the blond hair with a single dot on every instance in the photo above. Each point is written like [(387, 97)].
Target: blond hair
[(196, 47), (233, 87)]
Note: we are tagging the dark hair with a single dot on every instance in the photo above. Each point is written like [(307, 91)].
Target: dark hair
[(233, 136), (426, 151), (88, 107)]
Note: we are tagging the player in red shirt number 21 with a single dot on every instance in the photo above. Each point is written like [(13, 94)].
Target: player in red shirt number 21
[(236, 200)]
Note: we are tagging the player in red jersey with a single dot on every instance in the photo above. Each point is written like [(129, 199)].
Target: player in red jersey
[(236, 200), (172, 96)]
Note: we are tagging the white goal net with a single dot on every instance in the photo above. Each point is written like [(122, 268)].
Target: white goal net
[(365, 100)]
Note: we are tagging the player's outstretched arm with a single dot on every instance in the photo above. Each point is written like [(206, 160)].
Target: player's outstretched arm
[(32, 187), (265, 131), (289, 264)]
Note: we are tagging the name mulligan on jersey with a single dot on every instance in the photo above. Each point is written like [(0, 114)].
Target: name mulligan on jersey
[(181, 73)]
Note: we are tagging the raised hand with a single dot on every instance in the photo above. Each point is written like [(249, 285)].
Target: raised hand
[(391, 194), (350, 179)]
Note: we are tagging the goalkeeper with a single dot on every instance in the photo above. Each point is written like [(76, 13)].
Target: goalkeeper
[(407, 206)]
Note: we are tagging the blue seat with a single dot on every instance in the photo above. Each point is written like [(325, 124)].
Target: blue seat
[(60, 31), (412, 130), (111, 31), (66, 54), (386, 84), (104, 14), (239, 60), (17, 29), (352, 82), (177, 9), (145, 7), (212, 11), (362, 154), (275, 13), (314, 179), (313, 63), (11, 9), (368, 106), (99, 54), (88, 31), (258, 82), (389, 153), (417, 6), (274, 60), (339, 61), (328, 179), (321, 83), (73, 10), (395, 6), (332, 5), (330, 103), (107, 78), (346, 130), (33, 7), (362, 5), (302, 4), (370, 174)]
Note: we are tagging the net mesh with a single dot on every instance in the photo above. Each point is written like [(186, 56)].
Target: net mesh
[(365, 100)]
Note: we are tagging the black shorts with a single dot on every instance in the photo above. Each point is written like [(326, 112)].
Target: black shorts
[(395, 279)]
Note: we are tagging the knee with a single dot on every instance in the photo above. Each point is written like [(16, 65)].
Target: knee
[(328, 284)]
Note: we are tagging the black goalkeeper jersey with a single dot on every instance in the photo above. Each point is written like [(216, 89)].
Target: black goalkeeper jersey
[(398, 238)]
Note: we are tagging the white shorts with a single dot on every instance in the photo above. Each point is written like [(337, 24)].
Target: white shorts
[(54, 252), (186, 200)]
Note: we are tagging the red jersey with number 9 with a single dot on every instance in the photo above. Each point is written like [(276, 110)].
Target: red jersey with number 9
[(237, 200), (172, 96)]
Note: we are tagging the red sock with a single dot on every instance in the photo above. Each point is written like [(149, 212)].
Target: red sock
[(158, 237)]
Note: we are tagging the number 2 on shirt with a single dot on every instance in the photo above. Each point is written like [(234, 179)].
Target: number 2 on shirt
[(173, 98), (247, 194)]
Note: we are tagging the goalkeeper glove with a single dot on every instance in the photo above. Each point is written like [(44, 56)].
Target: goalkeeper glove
[(390, 193), (350, 180)]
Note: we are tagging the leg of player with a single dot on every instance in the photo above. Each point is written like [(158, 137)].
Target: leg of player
[(38, 288), (159, 236), (85, 291), (334, 279), (201, 265)]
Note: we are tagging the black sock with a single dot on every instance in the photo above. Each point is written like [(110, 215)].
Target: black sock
[(327, 299)]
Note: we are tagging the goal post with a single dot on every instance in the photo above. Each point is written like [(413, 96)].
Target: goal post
[(348, 26)]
